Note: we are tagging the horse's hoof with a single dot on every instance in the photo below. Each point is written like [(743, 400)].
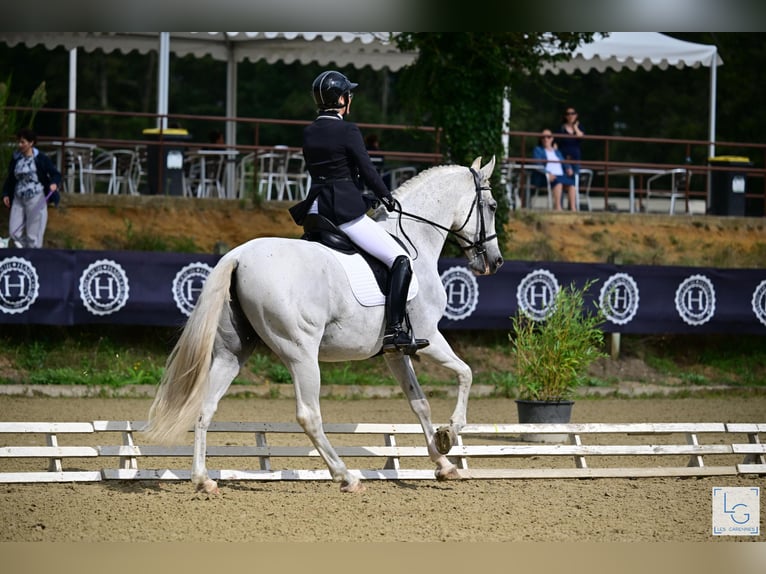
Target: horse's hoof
[(444, 438), (448, 474), (352, 487), (208, 487)]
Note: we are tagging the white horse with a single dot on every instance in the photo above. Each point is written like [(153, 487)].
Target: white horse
[(295, 296)]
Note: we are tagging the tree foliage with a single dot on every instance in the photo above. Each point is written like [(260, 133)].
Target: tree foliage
[(459, 79), (12, 121)]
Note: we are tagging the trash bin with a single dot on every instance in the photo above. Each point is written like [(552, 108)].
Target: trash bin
[(165, 160), (728, 188)]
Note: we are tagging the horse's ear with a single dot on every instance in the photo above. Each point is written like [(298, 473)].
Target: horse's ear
[(489, 168), (476, 165)]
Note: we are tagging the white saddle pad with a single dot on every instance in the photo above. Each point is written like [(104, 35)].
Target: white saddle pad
[(362, 280)]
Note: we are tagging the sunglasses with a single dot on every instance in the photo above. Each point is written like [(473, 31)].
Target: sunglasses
[(547, 137), (571, 113)]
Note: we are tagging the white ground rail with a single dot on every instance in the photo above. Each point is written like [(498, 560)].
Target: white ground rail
[(112, 450)]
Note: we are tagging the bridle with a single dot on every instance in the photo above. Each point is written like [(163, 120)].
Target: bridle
[(479, 245)]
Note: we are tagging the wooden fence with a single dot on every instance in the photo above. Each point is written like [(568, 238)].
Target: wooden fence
[(112, 450)]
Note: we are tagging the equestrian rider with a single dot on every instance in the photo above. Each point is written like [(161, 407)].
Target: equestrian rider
[(339, 165)]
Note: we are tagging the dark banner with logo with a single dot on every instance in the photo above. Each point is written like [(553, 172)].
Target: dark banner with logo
[(60, 287)]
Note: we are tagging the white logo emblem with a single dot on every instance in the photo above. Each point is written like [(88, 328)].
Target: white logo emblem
[(104, 287), (536, 293), (759, 302), (736, 511), (619, 298), (695, 300), (19, 285), (187, 285), (462, 293)]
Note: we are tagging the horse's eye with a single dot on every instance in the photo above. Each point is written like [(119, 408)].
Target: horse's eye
[(493, 207)]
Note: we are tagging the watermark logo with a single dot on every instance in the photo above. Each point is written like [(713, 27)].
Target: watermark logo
[(19, 285), (187, 285), (695, 300), (536, 294), (736, 511), (619, 298), (104, 287), (462, 292)]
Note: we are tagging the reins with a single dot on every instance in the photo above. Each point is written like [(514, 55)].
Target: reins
[(478, 245)]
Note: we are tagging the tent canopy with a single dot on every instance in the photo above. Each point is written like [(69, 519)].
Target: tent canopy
[(632, 50), (359, 49)]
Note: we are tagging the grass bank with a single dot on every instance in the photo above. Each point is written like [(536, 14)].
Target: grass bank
[(112, 356)]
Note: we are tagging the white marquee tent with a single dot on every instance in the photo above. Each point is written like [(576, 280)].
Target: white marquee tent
[(631, 50), (359, 49), (618, 50)]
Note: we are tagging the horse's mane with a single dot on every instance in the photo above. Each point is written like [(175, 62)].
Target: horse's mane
[(415, 181)]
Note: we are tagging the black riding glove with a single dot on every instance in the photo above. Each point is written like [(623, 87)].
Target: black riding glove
[(389, 202)]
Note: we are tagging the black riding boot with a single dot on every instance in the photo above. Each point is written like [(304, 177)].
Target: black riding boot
[(396, 338)]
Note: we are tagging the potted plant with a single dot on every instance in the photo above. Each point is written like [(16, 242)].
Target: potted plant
[(552, 358)]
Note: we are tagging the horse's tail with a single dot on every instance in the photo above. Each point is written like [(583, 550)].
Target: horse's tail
[(179, 397)]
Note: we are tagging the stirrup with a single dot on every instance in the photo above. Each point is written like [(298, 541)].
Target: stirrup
[(401, 342)]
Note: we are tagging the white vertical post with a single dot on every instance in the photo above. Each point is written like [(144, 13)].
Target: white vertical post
[(711, 135), (506, 121), (163, 78), (713, 89), (231, 125), (72, 117)]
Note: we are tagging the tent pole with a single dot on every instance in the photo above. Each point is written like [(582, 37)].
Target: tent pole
[(713, 82), (711, 135), (72, 118), (162, 81), (231, 125)]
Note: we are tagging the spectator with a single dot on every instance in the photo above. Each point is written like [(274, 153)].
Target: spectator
[(372, 143), (32, 182), (554, 171), (216, 137), (568, 140)]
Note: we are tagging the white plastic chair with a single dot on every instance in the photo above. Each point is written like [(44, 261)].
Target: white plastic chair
[(126, 171), (198, 182), (679, 179), (90, 169), (297, 179), (245, 174), (583, 181), (532, 190), (399, 175), (271, 174)]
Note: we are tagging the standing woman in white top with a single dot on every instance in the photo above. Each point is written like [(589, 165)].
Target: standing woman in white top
[(555, 171)]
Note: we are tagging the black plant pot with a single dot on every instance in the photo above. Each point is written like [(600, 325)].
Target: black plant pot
[(544, 412)]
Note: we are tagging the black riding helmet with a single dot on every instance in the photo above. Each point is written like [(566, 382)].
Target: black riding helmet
[(328, 87)]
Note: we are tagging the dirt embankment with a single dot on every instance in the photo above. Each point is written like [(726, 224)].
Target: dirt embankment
[(118, 222)]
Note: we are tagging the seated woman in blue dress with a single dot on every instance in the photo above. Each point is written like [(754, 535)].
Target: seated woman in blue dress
[(555, 171)]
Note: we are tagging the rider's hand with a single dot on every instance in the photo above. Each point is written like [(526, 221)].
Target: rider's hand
[(389, 202)]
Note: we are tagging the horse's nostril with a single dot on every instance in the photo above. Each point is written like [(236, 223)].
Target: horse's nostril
[(498, 262)]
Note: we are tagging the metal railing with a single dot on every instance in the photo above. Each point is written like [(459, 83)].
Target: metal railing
[(611, 157), (608, 157)]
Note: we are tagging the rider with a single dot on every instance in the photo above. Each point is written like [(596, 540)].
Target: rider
[(337, 160)]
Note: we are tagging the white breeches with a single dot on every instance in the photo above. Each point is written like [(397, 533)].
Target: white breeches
[(372, 238)]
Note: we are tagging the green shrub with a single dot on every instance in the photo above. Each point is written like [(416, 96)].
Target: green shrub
[(553, 356)]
